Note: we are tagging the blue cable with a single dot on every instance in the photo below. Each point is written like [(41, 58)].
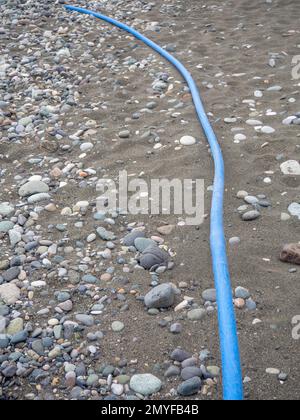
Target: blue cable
[(231, 365)]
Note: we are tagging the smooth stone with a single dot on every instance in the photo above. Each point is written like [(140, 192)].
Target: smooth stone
[(196, 314), (290, 167), (294, 209), (129, 239), (6, 209), (145, 384), (141, 244), (267, 130), (15, 326), (187, 141), (36, 198), (189, 387), (161, 296), (153, 256), (125, 134), (6, 226), (172, 371), (117, 326), (9, 293), (251, 199), (33, 187), (179, 355), (11, 274), (250, 215), (84, 319), (240, 137), (19, 337), (209, 295), (242, 293), (190, 372)]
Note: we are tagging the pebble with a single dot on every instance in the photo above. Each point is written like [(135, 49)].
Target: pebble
[(242, 293), (196, 314), (33, 187), (290, 167), (161, 296), (84, 319), (117, 326), (145, 384), (187, 141), (190, 387), (251, 215), (209, 295), (190, 372), (180, 355)]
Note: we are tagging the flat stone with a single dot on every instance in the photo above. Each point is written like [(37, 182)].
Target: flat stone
[(180, 355), (294, 209), (36, 198), (250, 215), (190, 387), (33, 187), (290, 167), (142, 244), (209, 295), (242, 293), (190, 372), (11, 274), (129, 239), (6, 226), (196, 314), (6, 209), (15, 326), (145, 384), (9, 293), (20, 337), (187, 141), (84, 319), (161, 296), (117, 326)]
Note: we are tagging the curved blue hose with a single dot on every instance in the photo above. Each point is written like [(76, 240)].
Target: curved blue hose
[(231, 365)]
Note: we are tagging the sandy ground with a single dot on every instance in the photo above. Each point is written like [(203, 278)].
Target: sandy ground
[(232, 40)]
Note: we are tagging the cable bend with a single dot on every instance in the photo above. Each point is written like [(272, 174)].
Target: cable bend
[(229, 346)]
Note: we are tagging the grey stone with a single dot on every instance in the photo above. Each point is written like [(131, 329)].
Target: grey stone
[(84, 319), (6, 226), (11, 274), (145, 384), (209, 295), (190, 372), (20, 337), (129, 239), (33, 187), (142, 244), (161, 296), (251, 215), (153, 256), (180, 355), (242, 293), (189, 387), (196, 314)]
